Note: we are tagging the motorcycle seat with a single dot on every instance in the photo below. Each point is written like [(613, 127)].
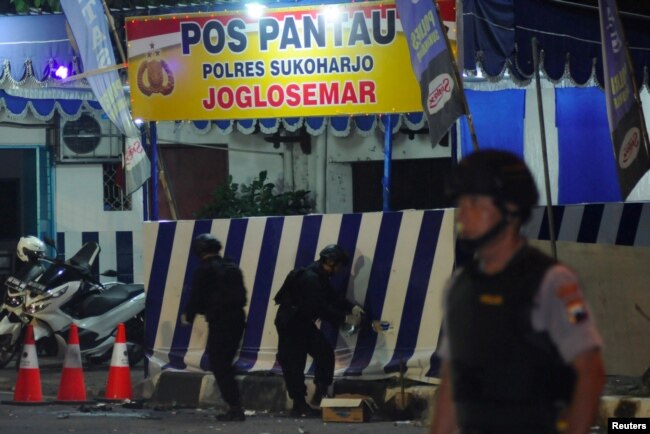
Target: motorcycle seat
[(98, 304)]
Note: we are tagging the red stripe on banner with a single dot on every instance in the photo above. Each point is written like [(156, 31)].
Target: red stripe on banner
[(140, 29)]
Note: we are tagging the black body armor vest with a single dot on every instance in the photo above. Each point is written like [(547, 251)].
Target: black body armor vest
[(504, 372)]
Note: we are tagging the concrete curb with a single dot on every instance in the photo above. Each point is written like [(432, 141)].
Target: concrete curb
[(267, 392)]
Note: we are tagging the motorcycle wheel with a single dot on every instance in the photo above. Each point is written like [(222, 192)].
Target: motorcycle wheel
[(7, 349), (135, 338)]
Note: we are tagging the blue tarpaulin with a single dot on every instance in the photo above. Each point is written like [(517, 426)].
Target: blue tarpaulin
[(587, 168), (498, 119)]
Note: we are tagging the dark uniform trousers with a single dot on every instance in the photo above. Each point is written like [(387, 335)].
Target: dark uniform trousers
[(224, 337), (296, 340)]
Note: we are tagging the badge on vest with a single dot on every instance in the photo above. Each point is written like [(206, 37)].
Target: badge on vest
[(491, 299)]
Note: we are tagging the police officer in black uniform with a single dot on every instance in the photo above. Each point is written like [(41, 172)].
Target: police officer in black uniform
[(520, 351), (218, 292), (306, 297)]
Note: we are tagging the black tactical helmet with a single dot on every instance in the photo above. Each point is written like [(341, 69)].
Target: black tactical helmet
[(205, 243), (334, 253), (499, 174)]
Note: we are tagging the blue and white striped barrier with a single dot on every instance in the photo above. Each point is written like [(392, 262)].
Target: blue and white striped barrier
[(624, 224), (401, 261)]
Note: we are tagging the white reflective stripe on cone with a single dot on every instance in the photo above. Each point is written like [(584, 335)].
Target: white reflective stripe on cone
[(72, 357), (120, 356), (29, 360)]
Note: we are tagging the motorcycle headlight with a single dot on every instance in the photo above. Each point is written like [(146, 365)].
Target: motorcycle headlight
[(14, 301), (36, 307)]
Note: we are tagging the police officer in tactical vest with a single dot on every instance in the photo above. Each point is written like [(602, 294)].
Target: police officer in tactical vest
[(305, 297), (218, 292), (520, 351)]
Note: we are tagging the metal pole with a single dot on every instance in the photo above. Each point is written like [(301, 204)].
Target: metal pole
[(111, 23), (542, 130), (154, 170), (388, 156), (145, 189), (171, 201), (454, 144)]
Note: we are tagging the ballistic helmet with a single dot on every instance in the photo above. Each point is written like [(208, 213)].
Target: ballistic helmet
[(204, 244), (498, 174), (334, 253), (29, 247)]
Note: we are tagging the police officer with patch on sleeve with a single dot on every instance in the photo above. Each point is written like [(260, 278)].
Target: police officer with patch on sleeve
[(306, 297), (218, 292), (520, 350)]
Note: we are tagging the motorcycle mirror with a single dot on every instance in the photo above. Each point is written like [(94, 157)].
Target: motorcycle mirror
[(109, 273)]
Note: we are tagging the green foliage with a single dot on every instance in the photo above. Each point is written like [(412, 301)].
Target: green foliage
[(25, 5), (259, 198)]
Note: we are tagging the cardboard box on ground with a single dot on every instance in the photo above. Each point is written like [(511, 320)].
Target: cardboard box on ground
[(348, 408)]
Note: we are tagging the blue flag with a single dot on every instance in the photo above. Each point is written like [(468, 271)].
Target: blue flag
[(89, 26), (626, 124), (442, 96)]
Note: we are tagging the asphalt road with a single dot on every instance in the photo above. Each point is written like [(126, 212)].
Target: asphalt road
[(141, 417), (102, 417), (60, 420)]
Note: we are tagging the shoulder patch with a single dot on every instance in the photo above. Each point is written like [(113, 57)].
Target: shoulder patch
[(577, 311)]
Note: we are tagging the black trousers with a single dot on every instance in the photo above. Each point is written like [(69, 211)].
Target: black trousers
[(223, 341), (296, 340)]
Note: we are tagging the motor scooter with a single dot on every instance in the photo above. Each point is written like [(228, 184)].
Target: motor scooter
[(30, 250), (66, 293)]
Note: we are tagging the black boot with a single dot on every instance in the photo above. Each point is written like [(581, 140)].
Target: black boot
[(234, 414), (303, 410), (319, 394)]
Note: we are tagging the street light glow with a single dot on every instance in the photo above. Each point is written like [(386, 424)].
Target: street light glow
[(255, 10), (332, 13)]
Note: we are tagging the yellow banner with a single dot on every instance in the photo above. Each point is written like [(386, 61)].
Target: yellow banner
[(330, 60)]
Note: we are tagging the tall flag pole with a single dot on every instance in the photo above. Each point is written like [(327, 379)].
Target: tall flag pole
[(443, 99), (624, 113), (89, 26)]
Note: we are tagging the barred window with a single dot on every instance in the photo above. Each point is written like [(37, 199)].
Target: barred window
[(114, 197)]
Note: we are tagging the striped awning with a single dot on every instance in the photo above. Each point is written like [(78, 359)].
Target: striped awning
[(497, 40)]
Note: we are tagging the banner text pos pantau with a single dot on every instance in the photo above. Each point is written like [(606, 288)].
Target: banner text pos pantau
[(330, 60)]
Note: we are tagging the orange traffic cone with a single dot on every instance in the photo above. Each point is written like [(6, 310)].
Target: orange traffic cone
[(118, 386), (72, 389), (28, 385)]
